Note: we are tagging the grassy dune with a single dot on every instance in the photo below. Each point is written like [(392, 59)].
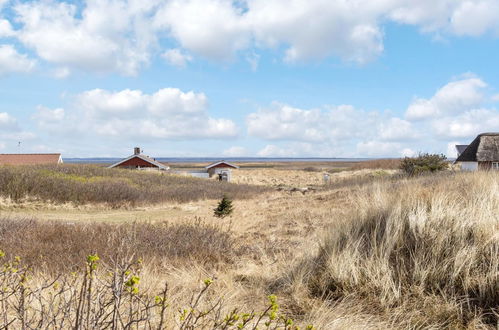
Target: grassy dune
[(382, 253)]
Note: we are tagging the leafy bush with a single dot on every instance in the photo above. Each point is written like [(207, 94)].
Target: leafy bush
[(224, 208), (424, 163)]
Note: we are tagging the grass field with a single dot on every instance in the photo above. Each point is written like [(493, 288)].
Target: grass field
[(374, 250)]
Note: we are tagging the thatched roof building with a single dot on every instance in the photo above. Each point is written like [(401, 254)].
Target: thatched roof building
[(482, 153)]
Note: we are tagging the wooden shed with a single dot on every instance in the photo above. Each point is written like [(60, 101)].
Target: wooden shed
[(30, 159), (139, 161), (481, 154), (221, 169)]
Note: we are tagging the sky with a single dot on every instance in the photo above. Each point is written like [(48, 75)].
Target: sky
[(247, 78)]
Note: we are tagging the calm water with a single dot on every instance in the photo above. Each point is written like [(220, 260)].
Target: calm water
[(213, 159)]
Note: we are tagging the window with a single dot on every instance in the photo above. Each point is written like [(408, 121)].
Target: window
[(495, 166)]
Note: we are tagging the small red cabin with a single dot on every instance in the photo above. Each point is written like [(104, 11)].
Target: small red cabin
[(222, 169), (140, 162)]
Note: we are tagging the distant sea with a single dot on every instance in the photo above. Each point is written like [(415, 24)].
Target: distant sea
[(213, 159)]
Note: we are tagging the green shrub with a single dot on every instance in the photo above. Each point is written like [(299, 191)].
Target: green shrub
[(224, 208), (424, 163)]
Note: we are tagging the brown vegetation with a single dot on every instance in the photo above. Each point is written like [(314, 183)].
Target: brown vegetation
[(387, 164), (423, 253), (384, 252), (54, 246), (83, 184)]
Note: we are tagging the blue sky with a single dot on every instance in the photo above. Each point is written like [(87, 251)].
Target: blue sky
[(298, 78)]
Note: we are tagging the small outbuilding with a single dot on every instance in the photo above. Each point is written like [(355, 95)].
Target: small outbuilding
[(481, 154), (138, 161), (30, 159), (221, 169)]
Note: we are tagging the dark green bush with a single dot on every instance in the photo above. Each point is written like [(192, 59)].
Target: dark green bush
[(224, 208), (424, 163)]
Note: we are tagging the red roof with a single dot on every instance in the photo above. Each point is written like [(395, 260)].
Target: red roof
[(29, 159)]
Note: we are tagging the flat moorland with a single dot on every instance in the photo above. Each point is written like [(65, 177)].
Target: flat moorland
[(389, 252)]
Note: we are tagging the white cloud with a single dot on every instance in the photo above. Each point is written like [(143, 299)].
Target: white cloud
[(168, 113), (49, 118), (6, 28), (7, 122), (379, 148), (467, 17), (407, 152), (475, 18), (176, 57), (12, 61), (283, 122), (275, 151), (455, 111), (211, 28), (123, 35), (235, 151), (61, 73), (396, 129), (453, 98), (467, 124), (107, 36), (451, 149)]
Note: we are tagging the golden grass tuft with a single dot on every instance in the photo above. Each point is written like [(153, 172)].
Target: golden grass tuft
[(423, 252)]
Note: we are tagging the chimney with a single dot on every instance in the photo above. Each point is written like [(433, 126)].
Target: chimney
[(136, 150)]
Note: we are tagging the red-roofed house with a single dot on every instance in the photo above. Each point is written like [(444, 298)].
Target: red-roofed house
[(30, 159), (221, 169), (140, 162)]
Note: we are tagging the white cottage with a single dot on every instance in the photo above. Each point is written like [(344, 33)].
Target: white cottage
[(481, 154)]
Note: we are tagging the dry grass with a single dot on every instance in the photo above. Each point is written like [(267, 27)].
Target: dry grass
[(82, 184), (387, 164), (421, 253), (60, 247), (371, 254), (301, 178)]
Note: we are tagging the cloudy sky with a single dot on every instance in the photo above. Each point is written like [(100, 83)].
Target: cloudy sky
[(271, 78)]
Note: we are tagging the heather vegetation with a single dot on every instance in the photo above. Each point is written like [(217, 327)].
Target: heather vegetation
[(370, 252), (83, 184), (55, 246)]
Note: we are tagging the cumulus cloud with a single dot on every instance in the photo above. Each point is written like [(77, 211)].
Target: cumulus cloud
[(456, 111), (283, 122), (176, 57), (12, 61), (106, 36), (453, 98), (168, 113), (212, 28), (7, 122), (467, 124), (123, 35)]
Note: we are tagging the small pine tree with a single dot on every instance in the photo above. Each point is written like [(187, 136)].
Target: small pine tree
[(224, 208)]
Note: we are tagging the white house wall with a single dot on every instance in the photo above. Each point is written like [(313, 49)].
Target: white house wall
[(469, 166)]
